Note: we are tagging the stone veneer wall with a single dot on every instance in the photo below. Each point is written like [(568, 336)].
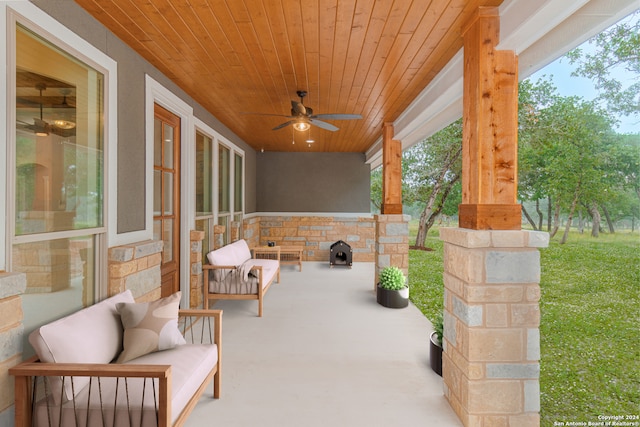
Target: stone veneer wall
[(251, 230), (491, 359), (195, 262), (136, 267), (315, 233), (392, 243), (12, 286)]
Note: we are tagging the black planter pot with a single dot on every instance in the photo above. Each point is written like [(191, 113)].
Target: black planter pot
[(391, 298), (435, 354)]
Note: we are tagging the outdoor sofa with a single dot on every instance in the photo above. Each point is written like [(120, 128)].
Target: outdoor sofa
[(118, 364)]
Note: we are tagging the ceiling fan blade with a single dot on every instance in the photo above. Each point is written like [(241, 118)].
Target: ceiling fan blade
[(324, 125), (285, 124), (297, 108), (337, 116)]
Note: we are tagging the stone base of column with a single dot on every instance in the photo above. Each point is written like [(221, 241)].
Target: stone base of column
[(392, 243), (491, 346)]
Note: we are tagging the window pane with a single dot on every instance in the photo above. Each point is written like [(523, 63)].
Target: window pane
[(224, 178), (168, 193), (60, 279), (157, 192), (167, 234), (157, 142), (168, 146), (157, 230), (237, 185), (225, 220), (204, 202), (59, 141)]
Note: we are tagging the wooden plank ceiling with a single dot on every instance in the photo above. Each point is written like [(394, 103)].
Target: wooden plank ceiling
[(367, 57)]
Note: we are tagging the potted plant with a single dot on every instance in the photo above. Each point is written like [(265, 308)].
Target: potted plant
[(392, 289), (435, 345)]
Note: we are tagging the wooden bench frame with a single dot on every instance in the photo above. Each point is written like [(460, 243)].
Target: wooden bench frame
[(27, 370), (262, 289)]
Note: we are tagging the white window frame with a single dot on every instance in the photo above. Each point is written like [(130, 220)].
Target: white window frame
[(34, 19), (218, 140)]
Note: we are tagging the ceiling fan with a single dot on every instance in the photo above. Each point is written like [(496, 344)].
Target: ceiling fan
[(303, 117), (43, 127)]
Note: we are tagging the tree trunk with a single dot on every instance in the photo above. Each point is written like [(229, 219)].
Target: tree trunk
[(595, 215), (540, 214), (549, 214), (430, 213), (556, 220), (526, 215), (608, 217), (567, 228), (580, 222)]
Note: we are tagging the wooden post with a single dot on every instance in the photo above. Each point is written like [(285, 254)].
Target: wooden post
[(391, 172), (490, 129)]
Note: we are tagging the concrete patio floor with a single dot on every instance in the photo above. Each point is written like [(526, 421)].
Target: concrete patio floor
[(325, 354)]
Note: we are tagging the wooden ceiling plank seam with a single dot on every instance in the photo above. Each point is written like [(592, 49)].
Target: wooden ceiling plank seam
[(361, 19), (213, 22), (401, 61), (423, 73), (132, 35), (327, 13), (280, 32), (374, 33), (391, 29), (271, 67), (293, 18), (449, 43), (311, 30), (344, 22), (190, 45)]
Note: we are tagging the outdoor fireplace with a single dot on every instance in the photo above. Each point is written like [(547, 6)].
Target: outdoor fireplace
[(340, 254)]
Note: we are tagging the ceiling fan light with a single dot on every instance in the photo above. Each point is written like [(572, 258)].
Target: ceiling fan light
[(301, 126), (64, 124), (42, 132)]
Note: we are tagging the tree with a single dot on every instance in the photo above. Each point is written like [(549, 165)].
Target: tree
[(615, 48), (567, 153), (433, 168)]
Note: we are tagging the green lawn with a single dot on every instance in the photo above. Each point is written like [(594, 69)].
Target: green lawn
[(590, 330)]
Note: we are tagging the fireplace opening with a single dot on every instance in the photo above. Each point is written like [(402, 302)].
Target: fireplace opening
[(340, 254)]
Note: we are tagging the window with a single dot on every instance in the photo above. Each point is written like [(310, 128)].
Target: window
[(224, 191), (204, 190), (58, 169), (219, 189)]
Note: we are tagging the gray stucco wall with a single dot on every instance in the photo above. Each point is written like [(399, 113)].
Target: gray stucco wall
[(131, 126), (312, 182)]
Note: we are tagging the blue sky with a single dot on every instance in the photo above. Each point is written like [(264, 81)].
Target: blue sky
[(568, 85)]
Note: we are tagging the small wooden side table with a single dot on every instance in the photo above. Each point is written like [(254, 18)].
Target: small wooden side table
[(285, 254)]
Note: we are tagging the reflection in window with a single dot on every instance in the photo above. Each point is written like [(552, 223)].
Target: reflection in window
[(59, 179)]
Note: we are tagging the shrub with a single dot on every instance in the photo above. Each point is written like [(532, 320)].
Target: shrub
[(392, 278)]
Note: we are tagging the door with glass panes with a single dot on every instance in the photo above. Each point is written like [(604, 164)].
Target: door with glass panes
[(166, 195)]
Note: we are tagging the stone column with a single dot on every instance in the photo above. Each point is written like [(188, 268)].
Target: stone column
[(12, 286), (491, 358), (195, 262), (392, 243), (218, 236)]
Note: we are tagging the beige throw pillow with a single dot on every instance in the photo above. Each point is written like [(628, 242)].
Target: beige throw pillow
[(149, 327)]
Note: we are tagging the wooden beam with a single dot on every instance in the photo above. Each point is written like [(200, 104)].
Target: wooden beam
[(490, 128), (391, 172)]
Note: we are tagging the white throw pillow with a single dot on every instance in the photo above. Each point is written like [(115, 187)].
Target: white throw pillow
[(149, 327)]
